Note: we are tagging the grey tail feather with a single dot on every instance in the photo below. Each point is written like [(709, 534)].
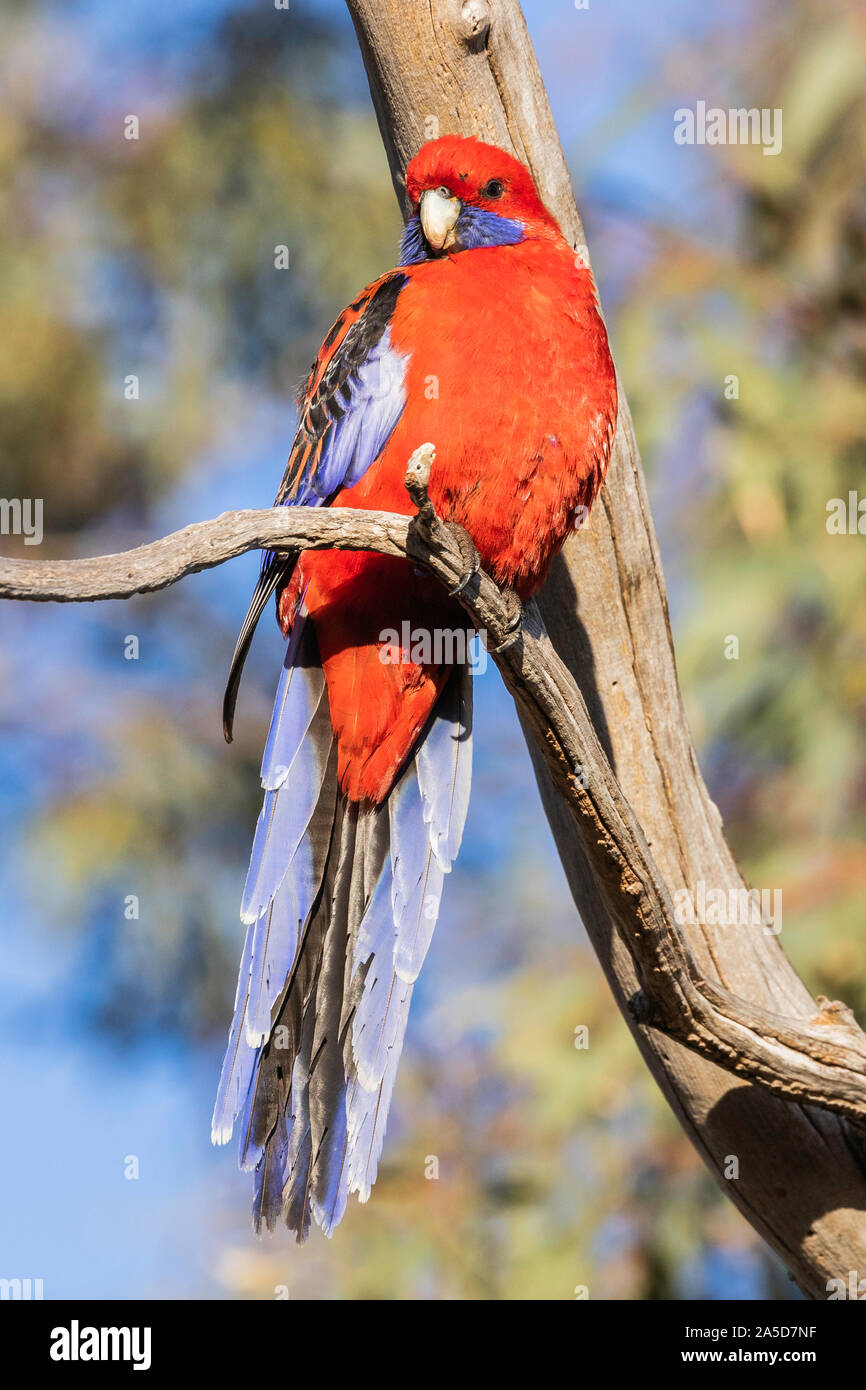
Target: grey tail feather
[(303, 1084), (276, 573)]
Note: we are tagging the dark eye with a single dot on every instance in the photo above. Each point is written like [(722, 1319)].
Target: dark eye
[(493, 189)]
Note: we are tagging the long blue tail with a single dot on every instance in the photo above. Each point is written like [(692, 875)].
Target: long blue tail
[(340, 904)]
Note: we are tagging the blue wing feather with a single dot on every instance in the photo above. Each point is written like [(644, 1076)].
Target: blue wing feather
[(377, 401), (354, 398)]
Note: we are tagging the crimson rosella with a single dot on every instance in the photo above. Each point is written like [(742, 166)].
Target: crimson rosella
[(487, 341)]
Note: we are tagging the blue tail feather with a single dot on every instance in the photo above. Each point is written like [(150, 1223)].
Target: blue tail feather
[(444, 763), (237, 1068), (341, 902)]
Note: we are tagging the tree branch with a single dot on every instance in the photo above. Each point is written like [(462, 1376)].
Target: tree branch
[(199, 547), (822, 1060)]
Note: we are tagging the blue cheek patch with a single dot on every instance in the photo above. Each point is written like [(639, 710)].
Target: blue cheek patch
[(413, 247), (475, 227), (478, 227)]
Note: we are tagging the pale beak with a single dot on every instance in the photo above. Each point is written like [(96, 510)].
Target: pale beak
[(439, 214)]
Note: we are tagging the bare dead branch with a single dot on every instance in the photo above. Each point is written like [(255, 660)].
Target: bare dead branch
[(199, 547)]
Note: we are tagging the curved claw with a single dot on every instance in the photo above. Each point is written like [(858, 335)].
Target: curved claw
[(471, 560), (514, 608)]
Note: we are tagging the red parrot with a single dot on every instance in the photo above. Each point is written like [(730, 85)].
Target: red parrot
[(487, 341)]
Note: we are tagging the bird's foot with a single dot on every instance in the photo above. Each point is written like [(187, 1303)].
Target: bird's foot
[(513, 619), (432, 527), (470, 560)]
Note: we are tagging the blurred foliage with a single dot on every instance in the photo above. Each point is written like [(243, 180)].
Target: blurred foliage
[(557, 1166), (160, 255)]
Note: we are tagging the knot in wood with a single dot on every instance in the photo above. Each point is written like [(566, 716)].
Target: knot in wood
[(474, 24)]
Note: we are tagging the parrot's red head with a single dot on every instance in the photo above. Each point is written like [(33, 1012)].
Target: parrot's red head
[(465, 195)]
